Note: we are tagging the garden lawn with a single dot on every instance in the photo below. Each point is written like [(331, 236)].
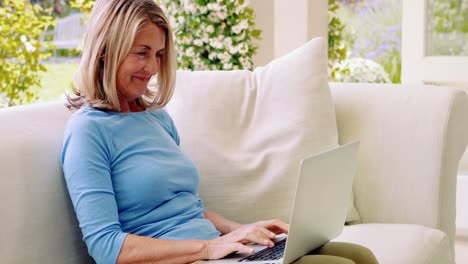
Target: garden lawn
[(56, 80)]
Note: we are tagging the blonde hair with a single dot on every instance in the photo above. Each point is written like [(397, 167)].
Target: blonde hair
[(111, 31)]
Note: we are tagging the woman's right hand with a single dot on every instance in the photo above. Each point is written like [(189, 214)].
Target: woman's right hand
[(262, 232)]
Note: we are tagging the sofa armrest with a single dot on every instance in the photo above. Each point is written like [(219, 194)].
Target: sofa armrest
[(412, 139), (40, 225)]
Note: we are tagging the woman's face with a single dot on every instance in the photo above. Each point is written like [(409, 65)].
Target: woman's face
[(141, 63)]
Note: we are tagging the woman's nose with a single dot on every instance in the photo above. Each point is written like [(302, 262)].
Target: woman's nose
[(152, 65)]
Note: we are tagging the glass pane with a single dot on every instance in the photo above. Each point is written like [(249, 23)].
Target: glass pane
[(447, 28), (371, 40)]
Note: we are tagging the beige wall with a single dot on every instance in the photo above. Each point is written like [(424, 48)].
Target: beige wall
[(287, 24), (264, 21)]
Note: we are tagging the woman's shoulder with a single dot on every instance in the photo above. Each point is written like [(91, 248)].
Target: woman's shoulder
[(87, 118), (85, 113), (161, 114), (167, 123)]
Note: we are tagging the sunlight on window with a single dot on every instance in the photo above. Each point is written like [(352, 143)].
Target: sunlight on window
[(447, 30), (372, 34)]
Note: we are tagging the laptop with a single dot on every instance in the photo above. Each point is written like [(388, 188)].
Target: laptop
[(319, 210)]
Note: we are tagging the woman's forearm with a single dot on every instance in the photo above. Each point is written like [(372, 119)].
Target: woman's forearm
[(138, 249), (222, 224)]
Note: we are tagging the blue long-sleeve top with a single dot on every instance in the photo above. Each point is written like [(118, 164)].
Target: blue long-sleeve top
[(126, 174)]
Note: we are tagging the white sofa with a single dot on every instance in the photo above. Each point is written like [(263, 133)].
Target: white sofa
[(247, 133), (411, 141)]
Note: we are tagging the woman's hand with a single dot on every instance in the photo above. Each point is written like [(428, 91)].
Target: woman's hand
[(262, 232)]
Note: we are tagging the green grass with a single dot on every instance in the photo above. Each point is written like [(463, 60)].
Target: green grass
[(56, 80)]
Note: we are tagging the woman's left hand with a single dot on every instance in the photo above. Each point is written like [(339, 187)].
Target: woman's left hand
[(266, 229), (250, 233), (262, 232), (276, 226)]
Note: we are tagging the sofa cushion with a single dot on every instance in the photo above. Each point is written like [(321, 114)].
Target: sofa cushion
[(248, 131), (39, 222), (400, 243)]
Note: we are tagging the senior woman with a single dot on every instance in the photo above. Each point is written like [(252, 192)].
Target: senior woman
[(133, 190)]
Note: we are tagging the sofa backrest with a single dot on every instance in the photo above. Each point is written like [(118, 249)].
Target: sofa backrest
[(248, 131), (38, 221), (39, 224)]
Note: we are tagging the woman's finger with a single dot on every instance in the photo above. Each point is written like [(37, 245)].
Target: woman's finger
[(241, 248), (259, 235), (269, 233), (218, 249), (276, 226)]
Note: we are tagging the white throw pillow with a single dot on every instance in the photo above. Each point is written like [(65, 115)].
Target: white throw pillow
[(248, 131)]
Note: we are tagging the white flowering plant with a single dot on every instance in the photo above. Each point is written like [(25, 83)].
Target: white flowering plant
[(3, 100), (212, 34), (361, 70)]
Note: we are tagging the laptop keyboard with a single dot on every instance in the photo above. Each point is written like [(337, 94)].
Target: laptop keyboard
[(273, 253)]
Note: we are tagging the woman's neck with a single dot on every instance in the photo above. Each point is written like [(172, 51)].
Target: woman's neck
[(130, 106)]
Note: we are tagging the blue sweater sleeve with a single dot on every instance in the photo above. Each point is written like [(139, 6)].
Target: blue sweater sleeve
[(174, 132), (86, 164), (169, 125)]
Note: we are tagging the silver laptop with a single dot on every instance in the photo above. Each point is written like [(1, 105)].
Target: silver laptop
[(319, 210)]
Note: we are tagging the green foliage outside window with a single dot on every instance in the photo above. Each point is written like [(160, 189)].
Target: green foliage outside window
[(373, 34), (218, 34), (213, 34), (337, 50), (21, 51), (449, 26), (450, 15), (84, 6), (209, 34), (361, 70), (191, 26)]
